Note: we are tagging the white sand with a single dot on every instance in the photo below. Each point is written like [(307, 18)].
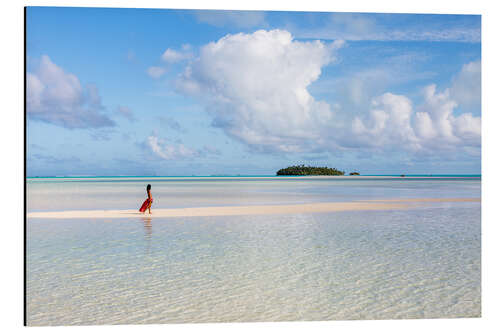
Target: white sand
[(389, 204), (429, 200)]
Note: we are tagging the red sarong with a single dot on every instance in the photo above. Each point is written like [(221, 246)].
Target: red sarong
[(145, 205)]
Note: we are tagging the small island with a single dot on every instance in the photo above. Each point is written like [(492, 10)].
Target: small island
[(302, 170)]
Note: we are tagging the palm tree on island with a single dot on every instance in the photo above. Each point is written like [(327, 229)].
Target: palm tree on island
[(302, 170)]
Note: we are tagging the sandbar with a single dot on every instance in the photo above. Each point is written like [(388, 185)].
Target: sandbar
[(388, 204), (427, 200)]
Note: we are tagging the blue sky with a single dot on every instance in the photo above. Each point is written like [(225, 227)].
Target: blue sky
[(185, 92)]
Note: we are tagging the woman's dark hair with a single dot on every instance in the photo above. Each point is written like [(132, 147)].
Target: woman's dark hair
[(148, 187)]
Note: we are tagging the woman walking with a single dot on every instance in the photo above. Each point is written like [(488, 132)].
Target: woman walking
[(147, 203)]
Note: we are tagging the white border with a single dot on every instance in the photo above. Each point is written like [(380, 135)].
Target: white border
[(12, 69)]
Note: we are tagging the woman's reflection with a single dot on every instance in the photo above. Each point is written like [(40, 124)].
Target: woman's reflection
[(148, 230)]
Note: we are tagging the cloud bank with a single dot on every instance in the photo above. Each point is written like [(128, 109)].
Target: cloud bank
[(255, 86), (374, 27), (433, 126), (57, 97)]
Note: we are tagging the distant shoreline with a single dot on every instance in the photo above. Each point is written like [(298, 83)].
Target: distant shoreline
[(265, 177)]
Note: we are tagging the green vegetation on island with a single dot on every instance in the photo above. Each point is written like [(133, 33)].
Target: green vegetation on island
[(354, 173), (302, 170)]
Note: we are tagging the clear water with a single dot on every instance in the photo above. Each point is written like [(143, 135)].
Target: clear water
[(419, 263)]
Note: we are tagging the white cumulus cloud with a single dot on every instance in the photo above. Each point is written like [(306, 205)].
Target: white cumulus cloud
[(156, 72), (256, 88), (172, 56), (466, 86), (390, 119), (57, 97), (394, 124), (449, 128), (168, 151)]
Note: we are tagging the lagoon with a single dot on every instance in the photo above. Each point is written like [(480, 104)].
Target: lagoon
[(418, 262)]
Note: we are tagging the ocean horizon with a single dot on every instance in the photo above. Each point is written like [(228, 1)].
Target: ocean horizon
[(256, 176)]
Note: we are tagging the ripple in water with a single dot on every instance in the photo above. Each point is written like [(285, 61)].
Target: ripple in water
[(421, 263)]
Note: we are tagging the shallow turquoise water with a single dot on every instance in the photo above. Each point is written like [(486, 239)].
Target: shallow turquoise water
[(419, 263), (124, 193)]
